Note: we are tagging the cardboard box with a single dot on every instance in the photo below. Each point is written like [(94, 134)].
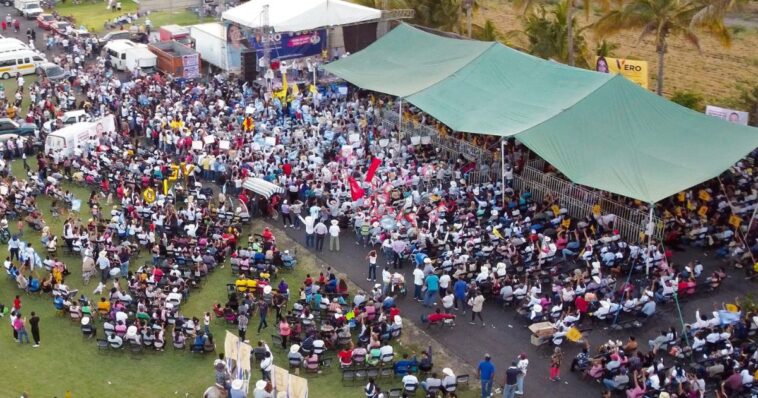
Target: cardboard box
[(541, 329)]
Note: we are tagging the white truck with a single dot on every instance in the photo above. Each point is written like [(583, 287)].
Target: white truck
[(128, 55), (67, 139), (210, 42), (68, 118), (30, 9)]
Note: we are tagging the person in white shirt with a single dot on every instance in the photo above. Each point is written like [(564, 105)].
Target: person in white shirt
[(334, 236), (418, 282), (409, 380)]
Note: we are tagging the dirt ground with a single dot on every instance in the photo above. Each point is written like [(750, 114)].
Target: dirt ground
[(715, 72)]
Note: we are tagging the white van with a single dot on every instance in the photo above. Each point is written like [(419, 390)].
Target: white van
[(128, 55), (11, 44), (24, 62), (67, 139)]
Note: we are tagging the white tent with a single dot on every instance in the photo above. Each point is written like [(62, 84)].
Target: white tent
[(300, 15), (261, 187)]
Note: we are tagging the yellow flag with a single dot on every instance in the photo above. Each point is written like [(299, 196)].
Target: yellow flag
[(282, 94), (703, 211), (704, 196), (497, 233), (596, 209), (681, 196), (556, 209), (313, 89), (165, 187), (735, 221), (566, 223), (574, 334)]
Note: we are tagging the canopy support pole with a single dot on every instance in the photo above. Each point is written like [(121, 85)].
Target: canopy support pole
[(750, 224), (737, 231), (502, 170), (400, 118), (650, 231)]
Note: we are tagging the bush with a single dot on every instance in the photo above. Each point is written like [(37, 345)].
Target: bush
[(689, 99)]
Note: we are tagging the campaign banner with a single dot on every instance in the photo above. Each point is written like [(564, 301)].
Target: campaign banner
[(289, 45), (191, 64), (632, 69), (730, 115)]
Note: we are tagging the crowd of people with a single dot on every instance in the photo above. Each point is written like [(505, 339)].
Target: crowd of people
[(175, 167)]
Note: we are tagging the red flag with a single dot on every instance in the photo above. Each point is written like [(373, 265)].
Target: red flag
[(375, 162), (355, 189)]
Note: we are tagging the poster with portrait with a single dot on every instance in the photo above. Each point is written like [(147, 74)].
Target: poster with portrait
[(631, 69), (283, 46), (730, 115)]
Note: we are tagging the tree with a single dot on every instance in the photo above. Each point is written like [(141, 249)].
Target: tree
[(529, 5), (747, 100), (488, 32), (547, 31), (688, 99), (605, 48), (664, 18), (438, 14), (383, 4)]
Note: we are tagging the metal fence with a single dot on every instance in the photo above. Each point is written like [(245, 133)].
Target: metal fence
[(579, 201), (451, 146)]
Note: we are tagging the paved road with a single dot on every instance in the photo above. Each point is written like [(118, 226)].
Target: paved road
[(505, 335)]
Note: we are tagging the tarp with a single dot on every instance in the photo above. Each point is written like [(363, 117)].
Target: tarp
[(261, 187), (300, 15), (600, 130)]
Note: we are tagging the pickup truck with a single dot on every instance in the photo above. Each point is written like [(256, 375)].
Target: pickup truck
[(10, 129), (68, 118), (30, 9)]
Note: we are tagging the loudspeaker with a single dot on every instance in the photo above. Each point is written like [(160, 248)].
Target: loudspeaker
[(249, 65)]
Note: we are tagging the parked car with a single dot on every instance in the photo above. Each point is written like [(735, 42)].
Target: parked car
[(137, 37), (52, 71), (10, 129), (80, 33), (61, 27), (45, 21)]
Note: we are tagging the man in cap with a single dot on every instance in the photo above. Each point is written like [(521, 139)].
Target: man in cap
[(486, 373)]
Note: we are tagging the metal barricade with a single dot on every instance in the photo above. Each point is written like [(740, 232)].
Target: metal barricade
[(579, 207), (451, 145)]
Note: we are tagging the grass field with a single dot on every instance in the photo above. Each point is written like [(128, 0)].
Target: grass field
[(94, 15), (714, 73), (67, 362)]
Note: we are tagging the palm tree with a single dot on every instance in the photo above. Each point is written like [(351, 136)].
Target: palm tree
[(438, 14), (605, 48), (664, 18), (488, 32), (529, 5), (547, 31)]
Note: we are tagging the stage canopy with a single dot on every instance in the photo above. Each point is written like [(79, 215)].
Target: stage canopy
[(300, 15), (600, 130)]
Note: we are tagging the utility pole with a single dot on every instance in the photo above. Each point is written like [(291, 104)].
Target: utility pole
[(266, 37), (468, 5)]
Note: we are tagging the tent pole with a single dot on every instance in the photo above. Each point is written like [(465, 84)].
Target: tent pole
[(651, 230), (400, 119), (502, 169)]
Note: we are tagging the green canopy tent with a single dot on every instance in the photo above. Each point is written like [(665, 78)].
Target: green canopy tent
[(600, 130)]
